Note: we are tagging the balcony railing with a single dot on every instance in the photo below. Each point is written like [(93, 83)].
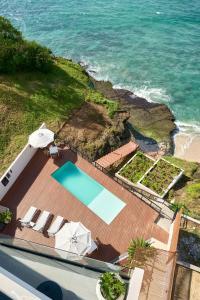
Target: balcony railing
[(143, 195), (83, 262)]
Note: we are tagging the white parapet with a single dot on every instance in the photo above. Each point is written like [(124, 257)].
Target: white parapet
[(16, 167), (17, 289), (135, 284)]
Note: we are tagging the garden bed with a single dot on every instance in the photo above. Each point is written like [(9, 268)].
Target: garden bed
[(161, 177), (135, 168), (156, 177)]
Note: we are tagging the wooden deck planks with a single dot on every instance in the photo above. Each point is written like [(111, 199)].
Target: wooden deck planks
[(36, 187), (109, 159)]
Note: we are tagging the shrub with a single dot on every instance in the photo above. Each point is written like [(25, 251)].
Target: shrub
[(18, 54), (176, 206), (193, 190), (6, 217), (8, 32), (111, 286)]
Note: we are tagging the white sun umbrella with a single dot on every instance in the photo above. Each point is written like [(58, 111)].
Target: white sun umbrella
[(73, 237), (41, 138)]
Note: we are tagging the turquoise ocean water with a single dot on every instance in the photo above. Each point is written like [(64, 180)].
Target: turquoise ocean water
[(151, 47)]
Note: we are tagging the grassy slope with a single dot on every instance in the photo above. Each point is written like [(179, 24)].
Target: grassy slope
[(187, 190), (28, 99)]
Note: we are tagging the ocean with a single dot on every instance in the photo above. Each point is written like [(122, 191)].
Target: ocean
[(151, 47)]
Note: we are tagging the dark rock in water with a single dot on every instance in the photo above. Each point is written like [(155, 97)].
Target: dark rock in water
[(91, 71), (152, 120), (83, 64)]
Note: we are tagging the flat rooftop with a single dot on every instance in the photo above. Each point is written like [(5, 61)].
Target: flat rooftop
[(36, 187)]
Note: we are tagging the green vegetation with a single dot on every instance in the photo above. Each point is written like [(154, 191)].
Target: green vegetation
[(193, 190), (176, 206), (111, 106), (188, 167), (136, 168), (111, 286), (29, 97), (160, 176), (6, 217), (18, 54), (139, 251), (187, 191)]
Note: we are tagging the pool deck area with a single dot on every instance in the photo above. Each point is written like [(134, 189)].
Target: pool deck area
[(36, 187)]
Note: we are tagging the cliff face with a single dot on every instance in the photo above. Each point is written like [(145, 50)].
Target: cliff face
[(151, 124), (93, 132)]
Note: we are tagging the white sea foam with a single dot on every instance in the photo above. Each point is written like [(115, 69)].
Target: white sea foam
[(188, 128), (152, 94)]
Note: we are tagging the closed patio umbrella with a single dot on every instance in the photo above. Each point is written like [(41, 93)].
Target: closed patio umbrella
[(73, 237), (41, 138)]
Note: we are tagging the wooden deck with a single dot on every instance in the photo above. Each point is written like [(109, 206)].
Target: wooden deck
[(35, 187), (158, 276), (109, 159)]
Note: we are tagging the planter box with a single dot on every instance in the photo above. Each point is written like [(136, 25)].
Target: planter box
[(157, 179), (139, 158), (162, 170)]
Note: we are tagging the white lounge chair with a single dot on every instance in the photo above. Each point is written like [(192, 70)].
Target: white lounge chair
[(92, 248), (55, 226), (41, 221), (26, 220)]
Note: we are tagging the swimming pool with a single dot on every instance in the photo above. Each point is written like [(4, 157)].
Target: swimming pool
[(87, 190)]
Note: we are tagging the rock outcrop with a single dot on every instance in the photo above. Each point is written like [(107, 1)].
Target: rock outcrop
[(93, 133), (151, 124)]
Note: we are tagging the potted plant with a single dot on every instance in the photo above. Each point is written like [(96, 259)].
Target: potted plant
[(6, 217), (110, 286)]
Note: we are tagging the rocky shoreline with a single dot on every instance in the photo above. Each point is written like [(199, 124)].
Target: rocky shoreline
[(151, 124)]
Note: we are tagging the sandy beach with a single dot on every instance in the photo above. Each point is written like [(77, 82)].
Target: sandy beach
[(187, 146)]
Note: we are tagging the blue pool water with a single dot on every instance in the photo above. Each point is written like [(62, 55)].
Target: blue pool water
[(87, 190), (150, 47)]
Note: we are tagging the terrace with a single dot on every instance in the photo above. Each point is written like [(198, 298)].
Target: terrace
[(36, 187), (28, 182)]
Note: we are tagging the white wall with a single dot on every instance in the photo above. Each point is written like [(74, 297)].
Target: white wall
[(17, 289), (135, 284), (17, 167)]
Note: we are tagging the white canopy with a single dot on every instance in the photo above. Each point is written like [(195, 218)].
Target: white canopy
[(41, 138), (73, 237)]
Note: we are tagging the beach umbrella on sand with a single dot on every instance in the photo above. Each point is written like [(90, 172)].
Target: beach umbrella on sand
[(73, 237), (41, 138)]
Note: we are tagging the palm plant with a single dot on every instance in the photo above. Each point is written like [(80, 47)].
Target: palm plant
[(139, 251)]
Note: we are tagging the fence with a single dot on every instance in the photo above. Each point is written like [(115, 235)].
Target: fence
[(143, 195), (81, 261), (128, 187)]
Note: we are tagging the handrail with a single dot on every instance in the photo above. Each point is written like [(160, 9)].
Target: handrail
[(128, 187), (42, 250), (142, 194)]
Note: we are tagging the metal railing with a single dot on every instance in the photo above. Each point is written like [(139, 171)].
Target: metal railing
[(83, 262), (131, 189), (143, 195)]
